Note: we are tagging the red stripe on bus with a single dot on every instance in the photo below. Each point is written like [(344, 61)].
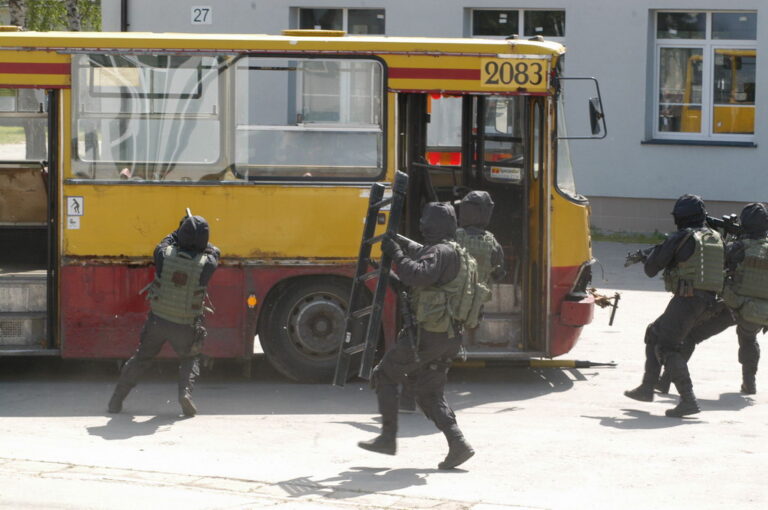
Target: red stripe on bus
[(33, 68), (27, 86), (429, 73)]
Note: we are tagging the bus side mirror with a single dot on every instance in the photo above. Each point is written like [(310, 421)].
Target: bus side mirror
[(595, 115)]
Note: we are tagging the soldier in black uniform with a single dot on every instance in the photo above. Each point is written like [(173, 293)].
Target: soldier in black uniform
[(692, 260), (754, 229), (475, 211), (428, 270), (184, 264)]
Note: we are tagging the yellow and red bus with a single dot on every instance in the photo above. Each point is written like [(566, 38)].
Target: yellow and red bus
[(106, 138)]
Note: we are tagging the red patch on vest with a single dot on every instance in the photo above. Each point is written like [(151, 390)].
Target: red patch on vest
[(179, 278)]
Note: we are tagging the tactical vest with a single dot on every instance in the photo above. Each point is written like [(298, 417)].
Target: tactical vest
[(459, 301), (480, 246), (704, 269), (747, 292), (176, 295)]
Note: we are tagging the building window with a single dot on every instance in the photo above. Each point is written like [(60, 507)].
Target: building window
[(353, 21), (705, 75), (523, 22)]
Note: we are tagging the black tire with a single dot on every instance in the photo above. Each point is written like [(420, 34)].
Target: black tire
[(303, 328)]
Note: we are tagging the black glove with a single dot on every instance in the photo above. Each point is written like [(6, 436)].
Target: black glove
[(390, 248), (212, 250)]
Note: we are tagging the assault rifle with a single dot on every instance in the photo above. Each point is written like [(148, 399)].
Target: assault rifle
[(633, 257), (728, 224), (410, 328)]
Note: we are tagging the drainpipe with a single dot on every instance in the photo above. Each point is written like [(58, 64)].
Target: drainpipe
[(124, 16)]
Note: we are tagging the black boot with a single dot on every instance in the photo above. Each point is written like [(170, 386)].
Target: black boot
[(643, 393), (459, 450), (385, 443), (187, 405), (748, 384), (688, 404), (663, 384), (116, 402)]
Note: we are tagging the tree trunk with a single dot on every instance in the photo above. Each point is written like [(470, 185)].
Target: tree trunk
[(73, 15), (16, 11)]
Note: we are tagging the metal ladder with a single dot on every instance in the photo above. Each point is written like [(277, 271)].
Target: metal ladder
[(356, 316)]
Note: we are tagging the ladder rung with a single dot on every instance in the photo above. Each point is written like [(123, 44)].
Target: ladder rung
[(355, 349), (362, 312), (368, 276), (380, 203), (375, 239)]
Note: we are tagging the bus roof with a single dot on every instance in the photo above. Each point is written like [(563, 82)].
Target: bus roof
[(169, 42)]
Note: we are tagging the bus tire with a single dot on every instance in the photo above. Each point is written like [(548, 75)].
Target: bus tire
[(304, 326)]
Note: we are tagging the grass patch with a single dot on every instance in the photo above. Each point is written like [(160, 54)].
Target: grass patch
[(627, 237), (11, 134)]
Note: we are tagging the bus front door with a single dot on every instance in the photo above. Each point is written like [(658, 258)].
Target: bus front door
[(450, 145)]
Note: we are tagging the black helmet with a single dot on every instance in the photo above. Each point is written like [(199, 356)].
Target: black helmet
[(475, 209), (689, 211), (438, 222), (754, 218), (193, 234)]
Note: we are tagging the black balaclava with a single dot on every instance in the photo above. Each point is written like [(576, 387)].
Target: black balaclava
[(193, 234), (438, 222), (475, 209), (689, 212), (754, 220)]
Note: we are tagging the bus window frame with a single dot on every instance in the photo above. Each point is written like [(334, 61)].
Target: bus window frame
[(325, 125), (227, 150)]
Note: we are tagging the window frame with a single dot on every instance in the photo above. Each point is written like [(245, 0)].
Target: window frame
[(708, 46), (520, 22), (18, 118), (344, 17)]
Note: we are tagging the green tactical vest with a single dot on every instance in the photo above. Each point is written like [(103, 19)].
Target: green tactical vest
[(747, 292), (480, 246), (704, 269), (458, 301), (176, 295)]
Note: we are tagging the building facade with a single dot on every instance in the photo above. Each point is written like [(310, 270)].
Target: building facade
[(684, 89)]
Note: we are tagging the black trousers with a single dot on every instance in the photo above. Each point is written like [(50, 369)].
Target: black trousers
[(721, 319), (185, 341), (665, 337), (749, 349), (427, 376)]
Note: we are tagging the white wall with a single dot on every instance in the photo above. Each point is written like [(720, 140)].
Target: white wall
[(607, 39)]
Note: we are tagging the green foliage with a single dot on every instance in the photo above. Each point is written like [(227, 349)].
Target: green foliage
[(45, 15), (627, 237)]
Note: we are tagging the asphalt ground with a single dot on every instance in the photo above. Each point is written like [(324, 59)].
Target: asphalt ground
[(545, 438)]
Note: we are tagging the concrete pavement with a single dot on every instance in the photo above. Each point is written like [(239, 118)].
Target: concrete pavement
[(546, 439)]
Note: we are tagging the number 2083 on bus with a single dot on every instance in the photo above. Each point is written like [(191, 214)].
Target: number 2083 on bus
[(513, 74)]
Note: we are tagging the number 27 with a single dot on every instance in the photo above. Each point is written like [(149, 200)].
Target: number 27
[(200, 14)]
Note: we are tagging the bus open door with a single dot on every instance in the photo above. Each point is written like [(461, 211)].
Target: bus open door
[(450, 145), (28, 212)]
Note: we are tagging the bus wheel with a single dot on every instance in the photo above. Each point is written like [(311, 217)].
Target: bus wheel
[(304, 327)]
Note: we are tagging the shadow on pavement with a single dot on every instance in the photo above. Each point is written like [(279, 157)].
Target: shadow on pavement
[(359, 481), (636, 419), (125, 426), (65, 388)]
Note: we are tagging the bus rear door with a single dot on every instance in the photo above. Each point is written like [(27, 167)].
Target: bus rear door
[(30, 85)]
